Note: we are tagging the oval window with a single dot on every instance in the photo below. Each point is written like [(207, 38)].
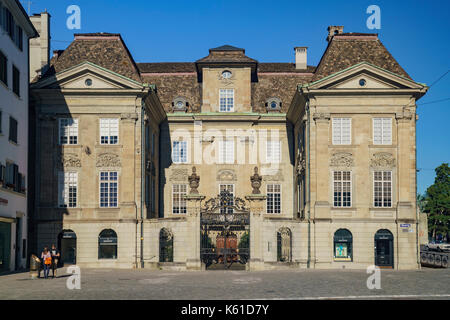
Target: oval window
[(88, 82), (226, 74), (362, 82)]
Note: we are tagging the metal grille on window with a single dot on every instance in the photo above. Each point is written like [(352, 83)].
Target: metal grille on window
[(273, 151), (226, 97), (178, 200), (179, 152), (226, 150), (109, 131), (68, 131), (68, 186), (342, 189), (108, 189), (273, 198), (382, 185), (341, 130), (382, 131)]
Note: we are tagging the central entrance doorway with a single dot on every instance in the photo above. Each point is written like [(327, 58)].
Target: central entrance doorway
[(67, 244), (384, 249), (225, 232)]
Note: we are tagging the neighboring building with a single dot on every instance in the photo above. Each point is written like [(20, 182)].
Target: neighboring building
[(40, 46), (15, 32), (333, 146)]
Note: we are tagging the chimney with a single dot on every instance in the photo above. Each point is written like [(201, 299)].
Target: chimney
[(300, 58), (40, 47), (333, 30)]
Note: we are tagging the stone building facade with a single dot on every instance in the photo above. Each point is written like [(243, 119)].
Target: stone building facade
[(225, 161), (16, 30)]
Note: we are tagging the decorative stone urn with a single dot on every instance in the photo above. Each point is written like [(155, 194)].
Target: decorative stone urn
[(194, 181), (256, 181)]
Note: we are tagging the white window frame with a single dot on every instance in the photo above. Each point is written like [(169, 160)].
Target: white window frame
[(271, 151), (181, 201), (176, 151), (273, 200), (65, 181), (384, 124), (108, 182), (337, 131), (226, 150), (68, 130), (226, 94), (341, 181), (112, 131), (382, 188)]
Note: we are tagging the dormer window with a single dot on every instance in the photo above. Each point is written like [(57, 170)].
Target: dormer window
[(273, 104), (179, 104), (226, 74)]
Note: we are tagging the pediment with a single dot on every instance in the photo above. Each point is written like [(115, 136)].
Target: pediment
[(375, 78), (87, 76)]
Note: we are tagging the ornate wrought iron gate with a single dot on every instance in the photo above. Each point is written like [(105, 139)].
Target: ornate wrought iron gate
[(225, 232)]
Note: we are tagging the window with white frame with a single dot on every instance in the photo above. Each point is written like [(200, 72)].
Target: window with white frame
[(178, 200), (382, 189), (109, 186), (227, 206), (109, 131), (342, 130), (382, 131), (226, 150), (68, 131), (68, 188), (179, 151), (273, 202), (226, 97), (273, 151), (342, 188)]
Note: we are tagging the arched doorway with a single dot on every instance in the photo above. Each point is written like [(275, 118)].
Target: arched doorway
[(165, 246), (107, 244), (67, 244), (384, 248), (343, 245), (284, 245)]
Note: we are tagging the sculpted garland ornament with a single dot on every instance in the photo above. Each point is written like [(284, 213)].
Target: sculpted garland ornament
[(108, 160), (70, 160), (382, 160), (341, 159)]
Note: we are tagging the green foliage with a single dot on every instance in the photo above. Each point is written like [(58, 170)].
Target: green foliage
[(437, 203), (245, 241)]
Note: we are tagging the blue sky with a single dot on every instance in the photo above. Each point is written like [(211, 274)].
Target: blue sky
[(417, 33)]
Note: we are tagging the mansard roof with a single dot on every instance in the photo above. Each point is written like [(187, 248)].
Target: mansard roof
[(107, 50), (347, 49)]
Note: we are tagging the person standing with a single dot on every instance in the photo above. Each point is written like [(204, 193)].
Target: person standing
[(47, 260), (55, 259)]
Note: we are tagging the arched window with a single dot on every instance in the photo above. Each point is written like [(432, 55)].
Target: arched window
[(107, 244), (343, 245), (165, 246), (284, 245)]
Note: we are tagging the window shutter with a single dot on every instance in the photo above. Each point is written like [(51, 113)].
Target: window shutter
[(377, 131), (60, 188), (346, 131), (2, 173), (387, 131), (336, 130)]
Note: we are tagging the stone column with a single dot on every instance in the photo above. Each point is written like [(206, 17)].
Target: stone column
[(193, 230), (256, 202)]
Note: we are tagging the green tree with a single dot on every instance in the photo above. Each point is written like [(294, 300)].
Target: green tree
[(437, 203)]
